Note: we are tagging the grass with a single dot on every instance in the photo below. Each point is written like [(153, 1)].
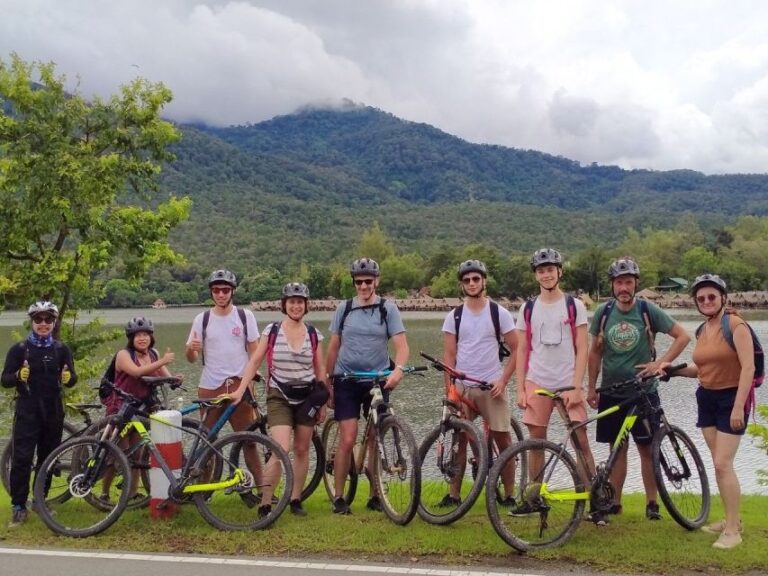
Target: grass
[(631, 544)]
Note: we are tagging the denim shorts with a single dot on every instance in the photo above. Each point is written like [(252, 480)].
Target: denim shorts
[(715, 410)]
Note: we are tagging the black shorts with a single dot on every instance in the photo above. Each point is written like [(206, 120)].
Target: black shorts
[(350, 395), (715, 410), (608, 426)]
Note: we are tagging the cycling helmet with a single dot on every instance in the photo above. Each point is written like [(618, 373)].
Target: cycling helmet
[(295, 290), (709, 280), (139, 324), (43, 307), (364, 267), (472, 266), (546, 256), (222, 277), (622, 267)]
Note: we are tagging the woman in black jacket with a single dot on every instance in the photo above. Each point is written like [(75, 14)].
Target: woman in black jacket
[(38, 367)]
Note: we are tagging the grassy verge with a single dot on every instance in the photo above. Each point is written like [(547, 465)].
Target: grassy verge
[(631, 544)]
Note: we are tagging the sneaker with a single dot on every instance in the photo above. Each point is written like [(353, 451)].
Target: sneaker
[(296, 508), (449, 501), (717, 527), (727, 541), (374, 503), (616, 509), (524, 509), (251, 500), (265, 511), (18, 517), (598, 518), (508, 502), (340, 506), (652, 511)]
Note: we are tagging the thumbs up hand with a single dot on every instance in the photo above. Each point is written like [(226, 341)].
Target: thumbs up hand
[(195, 344), (66, 375), (23, 373), (169, 356)]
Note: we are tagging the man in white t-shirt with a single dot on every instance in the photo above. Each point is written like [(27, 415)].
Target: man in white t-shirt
[(224, 337), (552, 355), (471, 345)]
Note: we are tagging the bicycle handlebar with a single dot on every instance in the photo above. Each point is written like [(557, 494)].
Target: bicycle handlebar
[(173, 382), (639, 380), (453, 373), (374, 375)]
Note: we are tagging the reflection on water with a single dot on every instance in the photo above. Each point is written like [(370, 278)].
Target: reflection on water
[(418, 398)]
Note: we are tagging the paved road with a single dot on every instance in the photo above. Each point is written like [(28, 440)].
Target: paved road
[(22, 562)]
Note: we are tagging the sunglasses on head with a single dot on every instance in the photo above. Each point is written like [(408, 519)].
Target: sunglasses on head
[(471, 279), (43, 320), (221, 289), (366, 281), (707, 298)]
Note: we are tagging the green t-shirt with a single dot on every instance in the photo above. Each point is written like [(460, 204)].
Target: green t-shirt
[(625, 343)]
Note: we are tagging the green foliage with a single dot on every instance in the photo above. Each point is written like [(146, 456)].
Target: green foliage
[(760, 431), (374, 244)]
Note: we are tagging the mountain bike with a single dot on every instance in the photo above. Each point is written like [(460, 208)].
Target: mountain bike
[(553, 496), (396, 470), (228, 496), (444, 456)]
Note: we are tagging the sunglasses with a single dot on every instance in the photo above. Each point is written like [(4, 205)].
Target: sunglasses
[(707, 298), (221, 289), (471, 279), (367, 282), (43, 320)]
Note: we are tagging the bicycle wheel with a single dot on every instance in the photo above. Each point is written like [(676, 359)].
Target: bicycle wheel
[(248, 505), (397, 472), (443, 454), (77, 468), (538, 520), (316, 467), (330, 442), (680, 477), (6, 459), (520, 463)]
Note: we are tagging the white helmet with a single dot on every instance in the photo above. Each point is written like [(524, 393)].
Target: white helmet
[(43, 307)]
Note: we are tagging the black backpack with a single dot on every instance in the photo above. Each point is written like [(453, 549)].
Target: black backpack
[(503, 350), (207, 318)]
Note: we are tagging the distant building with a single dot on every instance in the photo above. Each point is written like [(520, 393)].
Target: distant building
[(159, 303), (672, 284)]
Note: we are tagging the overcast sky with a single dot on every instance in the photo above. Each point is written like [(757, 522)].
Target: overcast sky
[(642, 84)]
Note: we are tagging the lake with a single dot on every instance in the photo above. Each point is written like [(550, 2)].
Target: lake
[(419, 398)]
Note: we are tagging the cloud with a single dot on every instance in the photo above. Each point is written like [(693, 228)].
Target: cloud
[(644, 85)]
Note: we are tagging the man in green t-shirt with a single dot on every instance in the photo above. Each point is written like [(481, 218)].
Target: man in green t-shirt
[(622, 343)]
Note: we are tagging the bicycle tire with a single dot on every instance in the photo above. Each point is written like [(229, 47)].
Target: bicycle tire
[(240, 507), (441, 465), (518, 436), (6, 459), (681, 479), (330, 442), (398, 474), (551, 522), (89, 458)]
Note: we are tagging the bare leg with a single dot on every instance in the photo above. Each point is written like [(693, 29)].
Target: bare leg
[(343, 456)]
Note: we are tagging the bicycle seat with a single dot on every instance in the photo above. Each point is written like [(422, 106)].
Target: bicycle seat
[(212, 402), (157, 381), (545, 392)]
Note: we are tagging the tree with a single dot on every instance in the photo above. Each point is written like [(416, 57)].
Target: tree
[(78, 188), (375, 244)]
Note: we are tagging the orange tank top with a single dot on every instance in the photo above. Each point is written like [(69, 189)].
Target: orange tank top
[(718, 363)]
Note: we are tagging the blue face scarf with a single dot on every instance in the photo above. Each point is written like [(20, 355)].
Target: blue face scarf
[(40, 341)]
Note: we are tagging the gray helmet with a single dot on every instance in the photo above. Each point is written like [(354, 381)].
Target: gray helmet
[(222, 277), (546, 256), (709, 280), (472, 266), (622, 267), (295, 290), (364, 267), (139, 324), (43, 307)]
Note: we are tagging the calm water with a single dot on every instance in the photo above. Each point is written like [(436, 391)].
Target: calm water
[(418, 398)]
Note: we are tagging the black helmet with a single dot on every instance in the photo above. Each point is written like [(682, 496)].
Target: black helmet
[(546, 256), (472, 266), (222, 277), (622, 267), (364, 267), (295, 290), (709, 280), (139, 324), (43, 307)]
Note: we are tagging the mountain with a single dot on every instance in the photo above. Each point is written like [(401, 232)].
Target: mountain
[(303, 187)]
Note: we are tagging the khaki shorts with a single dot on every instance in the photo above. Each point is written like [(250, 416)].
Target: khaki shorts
[(281, 413), (243, 416), (538, 409), (495, 411)]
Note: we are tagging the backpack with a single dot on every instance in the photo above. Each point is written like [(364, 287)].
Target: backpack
[(570, 306), (503, 350), (294, 394), (348, 309), (207, 318), (108, 379), (757, 350), (645, 314), (272, 338)]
